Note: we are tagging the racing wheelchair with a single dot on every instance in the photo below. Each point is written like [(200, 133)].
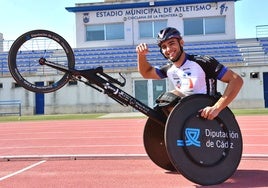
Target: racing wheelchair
[(206, 152)]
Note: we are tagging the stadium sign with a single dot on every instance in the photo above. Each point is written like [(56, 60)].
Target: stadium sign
[(159, 12)]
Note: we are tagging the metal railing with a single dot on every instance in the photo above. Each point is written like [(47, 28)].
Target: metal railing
[(10, 107)]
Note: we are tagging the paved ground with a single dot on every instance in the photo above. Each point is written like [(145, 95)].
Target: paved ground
[(108, 153)]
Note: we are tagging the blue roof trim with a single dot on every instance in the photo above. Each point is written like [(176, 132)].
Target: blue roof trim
[(137, 5)]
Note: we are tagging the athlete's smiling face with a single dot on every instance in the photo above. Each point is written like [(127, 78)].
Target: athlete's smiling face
[(171, 48)]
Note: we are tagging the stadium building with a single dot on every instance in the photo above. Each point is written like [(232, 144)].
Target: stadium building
[(108, 32)]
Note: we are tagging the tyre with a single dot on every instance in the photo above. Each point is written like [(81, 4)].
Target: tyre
[(24, 56)]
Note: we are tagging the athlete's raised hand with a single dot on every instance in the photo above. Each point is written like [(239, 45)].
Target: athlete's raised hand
[(142, 49)]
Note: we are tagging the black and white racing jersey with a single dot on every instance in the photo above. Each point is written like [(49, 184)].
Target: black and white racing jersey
[(197, 74)]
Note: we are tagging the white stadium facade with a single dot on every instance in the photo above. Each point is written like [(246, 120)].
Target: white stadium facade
[(107, 34)]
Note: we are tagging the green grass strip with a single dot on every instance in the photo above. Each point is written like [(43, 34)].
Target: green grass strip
[(261, 111), (50, 117), (237, 112)]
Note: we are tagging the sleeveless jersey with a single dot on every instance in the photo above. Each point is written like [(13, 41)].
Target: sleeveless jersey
[(197, 74)]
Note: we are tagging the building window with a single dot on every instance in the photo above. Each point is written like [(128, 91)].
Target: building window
[(15, 85), (113, 31), (214, 25), (193, 26), (150, 29), (95, 32), (204, 26)]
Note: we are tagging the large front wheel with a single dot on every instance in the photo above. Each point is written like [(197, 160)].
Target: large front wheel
[(24, 56)]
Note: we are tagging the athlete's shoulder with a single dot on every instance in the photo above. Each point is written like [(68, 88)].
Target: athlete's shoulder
[(201, 58), (162, 70)]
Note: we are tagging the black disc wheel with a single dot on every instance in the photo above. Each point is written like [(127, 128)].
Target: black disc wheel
[(206, 152), (154, 143)]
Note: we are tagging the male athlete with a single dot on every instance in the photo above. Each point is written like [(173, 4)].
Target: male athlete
[(190, 74)]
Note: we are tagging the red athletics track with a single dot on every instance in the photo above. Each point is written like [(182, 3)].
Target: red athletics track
[(109, 153)]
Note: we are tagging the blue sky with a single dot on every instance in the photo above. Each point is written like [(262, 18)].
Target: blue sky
[(20, 16)]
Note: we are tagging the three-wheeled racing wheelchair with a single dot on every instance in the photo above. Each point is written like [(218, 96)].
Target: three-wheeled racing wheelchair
[(204, 151)]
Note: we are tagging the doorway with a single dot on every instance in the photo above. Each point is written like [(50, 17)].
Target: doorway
[(147, 91), (39, 101), (265, 88)]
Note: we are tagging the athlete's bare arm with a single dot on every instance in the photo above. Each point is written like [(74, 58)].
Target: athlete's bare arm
[(144, 67), (234, 84)]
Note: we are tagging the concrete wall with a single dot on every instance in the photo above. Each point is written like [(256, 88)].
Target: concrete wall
[(252, 92), (173, 14)]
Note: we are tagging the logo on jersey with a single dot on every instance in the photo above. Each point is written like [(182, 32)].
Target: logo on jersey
[(185, 82)]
